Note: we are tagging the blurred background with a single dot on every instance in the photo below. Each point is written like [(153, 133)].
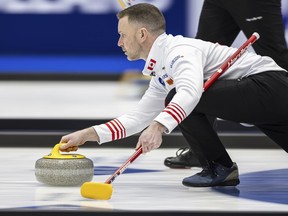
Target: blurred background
[(61, 69)]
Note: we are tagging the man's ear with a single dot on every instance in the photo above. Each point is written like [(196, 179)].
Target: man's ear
[(143, 33)]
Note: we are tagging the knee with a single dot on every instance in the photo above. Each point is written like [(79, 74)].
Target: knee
[(170, 96)]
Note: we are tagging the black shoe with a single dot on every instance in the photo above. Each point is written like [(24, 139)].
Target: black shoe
[(185, 158), (214, 175)]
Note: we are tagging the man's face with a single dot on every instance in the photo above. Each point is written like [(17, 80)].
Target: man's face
[(128, 39)]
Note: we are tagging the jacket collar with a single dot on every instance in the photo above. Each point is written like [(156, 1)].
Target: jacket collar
[(155, 57)]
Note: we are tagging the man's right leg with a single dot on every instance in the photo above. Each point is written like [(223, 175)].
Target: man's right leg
[(218, 168)]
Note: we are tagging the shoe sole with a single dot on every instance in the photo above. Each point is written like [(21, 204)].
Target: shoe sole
[(178, 166), (233, 182), (173, 166)]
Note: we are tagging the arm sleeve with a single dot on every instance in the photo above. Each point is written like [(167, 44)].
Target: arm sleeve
[(187, 73), (136, 120)]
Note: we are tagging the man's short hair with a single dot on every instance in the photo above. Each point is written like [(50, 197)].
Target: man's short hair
[(147, 15)]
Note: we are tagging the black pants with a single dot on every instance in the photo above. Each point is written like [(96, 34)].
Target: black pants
[(261, 100), (221, 21)]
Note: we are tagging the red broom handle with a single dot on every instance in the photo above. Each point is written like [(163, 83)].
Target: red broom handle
[(231, 60), (124, 165)]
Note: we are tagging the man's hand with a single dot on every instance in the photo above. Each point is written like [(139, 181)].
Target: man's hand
[(73, 140), (151, 138)]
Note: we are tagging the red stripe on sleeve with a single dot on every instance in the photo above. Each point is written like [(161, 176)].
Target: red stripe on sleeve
[(123, 130), (180, 109), (111, 130), (116, 130), (170, 113), (176, 112)]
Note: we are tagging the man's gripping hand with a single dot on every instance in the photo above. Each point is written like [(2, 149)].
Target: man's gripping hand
[(75, 139)]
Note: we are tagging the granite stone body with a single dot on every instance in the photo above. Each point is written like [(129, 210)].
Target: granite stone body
[(64, 172)]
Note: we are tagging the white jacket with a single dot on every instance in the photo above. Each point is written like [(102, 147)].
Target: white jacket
[(184, 64)]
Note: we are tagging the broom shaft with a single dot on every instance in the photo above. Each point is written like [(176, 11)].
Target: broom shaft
[(125, 165), (231, 60)]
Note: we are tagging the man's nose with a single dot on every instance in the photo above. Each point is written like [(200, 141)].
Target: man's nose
[(120, 43)]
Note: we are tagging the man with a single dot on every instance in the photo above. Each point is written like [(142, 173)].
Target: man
[(247, 92), (221, 21)]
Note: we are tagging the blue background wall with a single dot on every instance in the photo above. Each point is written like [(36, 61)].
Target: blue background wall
[(78, 36), (70, 36), (70, 28)]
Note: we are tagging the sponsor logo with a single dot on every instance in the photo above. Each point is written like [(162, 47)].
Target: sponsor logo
[(175, 59), (161, 81), (165, 76), (236, 57), (254, 19), (170, 81)]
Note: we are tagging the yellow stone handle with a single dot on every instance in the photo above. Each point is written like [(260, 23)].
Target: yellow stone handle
[(56, 150), (55, 154)]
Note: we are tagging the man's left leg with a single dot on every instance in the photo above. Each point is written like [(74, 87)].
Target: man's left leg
[(185, 157), (256, 100)]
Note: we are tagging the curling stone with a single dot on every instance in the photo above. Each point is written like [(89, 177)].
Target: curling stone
[(64, 169)]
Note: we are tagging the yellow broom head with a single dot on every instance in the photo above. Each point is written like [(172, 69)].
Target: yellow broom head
[(96, 190)]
